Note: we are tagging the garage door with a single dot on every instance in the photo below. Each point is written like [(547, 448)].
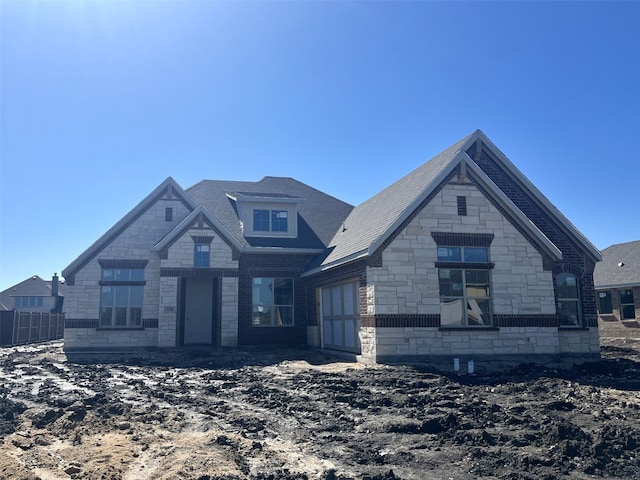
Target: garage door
[(341, 317)]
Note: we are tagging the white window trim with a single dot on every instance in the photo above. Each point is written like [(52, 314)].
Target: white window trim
[(246, 206)]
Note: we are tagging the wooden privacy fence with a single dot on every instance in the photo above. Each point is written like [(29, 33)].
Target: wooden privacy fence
[(17, 328)]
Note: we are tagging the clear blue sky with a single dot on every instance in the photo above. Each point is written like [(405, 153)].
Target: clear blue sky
[(102, 100)]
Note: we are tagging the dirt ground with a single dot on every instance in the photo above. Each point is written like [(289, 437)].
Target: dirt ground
[(298, 414)]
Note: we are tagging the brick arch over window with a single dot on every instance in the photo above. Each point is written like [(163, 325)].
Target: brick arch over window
[(577, 270)]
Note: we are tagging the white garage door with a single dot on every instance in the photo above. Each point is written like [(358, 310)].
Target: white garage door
[(341, 317)]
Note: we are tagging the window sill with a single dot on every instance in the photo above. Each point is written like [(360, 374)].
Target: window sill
[(465, 265), (119, 329), (484, 328), (568, 328), (272, 326)]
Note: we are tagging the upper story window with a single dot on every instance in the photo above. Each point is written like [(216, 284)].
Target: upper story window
[(267, 214), (202, 255), (568, 299), (270, 220), (279, 220), (168, 214), (261, 220)]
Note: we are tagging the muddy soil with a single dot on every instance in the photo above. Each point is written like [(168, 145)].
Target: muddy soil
[(298, 414)]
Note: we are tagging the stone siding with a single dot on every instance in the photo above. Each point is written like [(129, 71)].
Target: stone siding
[(513, 341), (136, 242), (78, 339), (167, 331), (407, 282), (181, 252), (229, 312)]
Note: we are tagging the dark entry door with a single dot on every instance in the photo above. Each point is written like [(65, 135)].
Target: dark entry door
[(198, 312)]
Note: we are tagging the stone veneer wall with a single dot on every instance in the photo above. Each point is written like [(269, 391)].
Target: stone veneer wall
[(180, 259), (407, 281), (180, 254), (405, 291), (82, 300), (441, 345)]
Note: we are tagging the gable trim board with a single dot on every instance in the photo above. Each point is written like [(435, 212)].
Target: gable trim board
[(386, 247)]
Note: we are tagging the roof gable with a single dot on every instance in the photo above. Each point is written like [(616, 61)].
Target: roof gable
[(197, 217), (169, 188), (373, 222)]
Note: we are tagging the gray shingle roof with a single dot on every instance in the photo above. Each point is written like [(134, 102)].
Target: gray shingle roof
[(373, 218), (608, 273), (319, 215), (31, 287), (370, 223)]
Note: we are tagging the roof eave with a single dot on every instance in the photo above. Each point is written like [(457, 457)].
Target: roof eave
[(439, 178), (336, 263), (617, 285)]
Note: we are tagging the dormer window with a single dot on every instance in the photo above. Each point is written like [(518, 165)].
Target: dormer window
[(267, 215), (279, 220), (270, 220), (261, 221)]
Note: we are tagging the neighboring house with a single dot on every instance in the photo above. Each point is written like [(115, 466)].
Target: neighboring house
[(463, 257), (34, 295), (617, 284)]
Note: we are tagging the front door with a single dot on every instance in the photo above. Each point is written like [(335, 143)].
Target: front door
[(198, 312)]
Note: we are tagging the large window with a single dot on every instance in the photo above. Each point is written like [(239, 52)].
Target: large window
[(121, 297), (270, 220), (604, 301), (465, 293), (627, 308), (272, 301), (568, 299)]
